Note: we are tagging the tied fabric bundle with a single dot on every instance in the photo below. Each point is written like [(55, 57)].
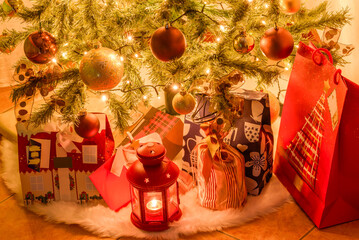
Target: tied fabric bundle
[(220, 169)]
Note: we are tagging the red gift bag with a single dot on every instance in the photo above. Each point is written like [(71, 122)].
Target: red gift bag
[(316, 158)]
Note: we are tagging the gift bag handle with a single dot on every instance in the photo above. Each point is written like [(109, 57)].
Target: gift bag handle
[(321, 62), (336, 79)]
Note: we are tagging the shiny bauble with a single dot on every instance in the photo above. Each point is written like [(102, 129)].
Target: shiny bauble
[(243, 43), (40, 47), (277, 43), (101, 69), (274, 106), (168, 43), (183, 102), (88, 125), (289, 6), (10, 7)]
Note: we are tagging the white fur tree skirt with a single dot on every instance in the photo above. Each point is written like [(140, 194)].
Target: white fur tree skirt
[(104, 222)]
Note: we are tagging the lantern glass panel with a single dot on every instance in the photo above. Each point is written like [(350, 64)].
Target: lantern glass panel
[(172, 200), (153, 204), (136, 202)]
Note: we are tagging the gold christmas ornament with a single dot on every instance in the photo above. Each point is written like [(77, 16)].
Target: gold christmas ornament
[(243, 43), (101, 69), (183, 102)]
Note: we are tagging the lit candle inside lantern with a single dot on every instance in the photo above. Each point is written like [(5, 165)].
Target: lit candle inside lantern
[(154, 205)]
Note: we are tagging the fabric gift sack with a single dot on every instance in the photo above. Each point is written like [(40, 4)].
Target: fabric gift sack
[(316, 155), (220, 170), (252, 136)]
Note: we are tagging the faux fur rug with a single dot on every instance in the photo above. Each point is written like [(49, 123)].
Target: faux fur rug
[(104, 222)]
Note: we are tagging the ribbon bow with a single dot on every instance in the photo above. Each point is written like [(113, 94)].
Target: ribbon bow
[(216, 148), (329, 40)]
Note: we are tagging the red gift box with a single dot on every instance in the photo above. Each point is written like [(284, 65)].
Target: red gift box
[(316, 158)]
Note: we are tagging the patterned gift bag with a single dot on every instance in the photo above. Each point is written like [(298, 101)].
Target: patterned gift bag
[(220, 169), (251, 135)]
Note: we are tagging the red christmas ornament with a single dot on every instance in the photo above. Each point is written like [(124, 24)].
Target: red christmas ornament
[(289, 6), (277, 43), (101, 69), (40, 47), (167, 43), (88, 125), (154, 188)]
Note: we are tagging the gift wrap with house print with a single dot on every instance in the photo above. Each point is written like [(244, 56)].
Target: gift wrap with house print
[(54, 162), (252, 136)]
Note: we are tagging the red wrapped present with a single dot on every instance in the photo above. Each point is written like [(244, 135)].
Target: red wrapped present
[(110, 179), (317, 140), (55, 163)]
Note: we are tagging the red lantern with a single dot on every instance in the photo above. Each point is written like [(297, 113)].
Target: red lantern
[(154, 189)]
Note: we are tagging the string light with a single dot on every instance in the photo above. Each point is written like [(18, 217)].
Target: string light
[(104, 97), (122, 59), (158, 97), (250, 1), (208, 71), (144, 97), (64, 54), (175, 87), (54, 60), (218, 39), (129, 37), (66, 44), (266, 5), (222, 28), (257, 59), (85, 53), (136, 55), (128, 82), (263, 22)]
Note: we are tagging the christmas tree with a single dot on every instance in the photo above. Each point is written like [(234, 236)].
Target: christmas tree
[(104, 46)]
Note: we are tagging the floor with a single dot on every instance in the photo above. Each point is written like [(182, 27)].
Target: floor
[(289, 222)]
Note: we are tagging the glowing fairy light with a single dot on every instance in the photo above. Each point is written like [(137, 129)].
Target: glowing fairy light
[(128, 82), (122, 59), (263, 22), (54, 60), (250, 1), (85, 53), (266, 5), (218, 39), (64, 54), (175, 87), (136, 55), (208, 71), (222, 28), (66, 44), (158, 97), (104, 97), (145, 97), (129, 37)]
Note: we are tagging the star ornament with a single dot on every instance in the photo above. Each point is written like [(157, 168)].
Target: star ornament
[(147, 180), (168, 175)]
